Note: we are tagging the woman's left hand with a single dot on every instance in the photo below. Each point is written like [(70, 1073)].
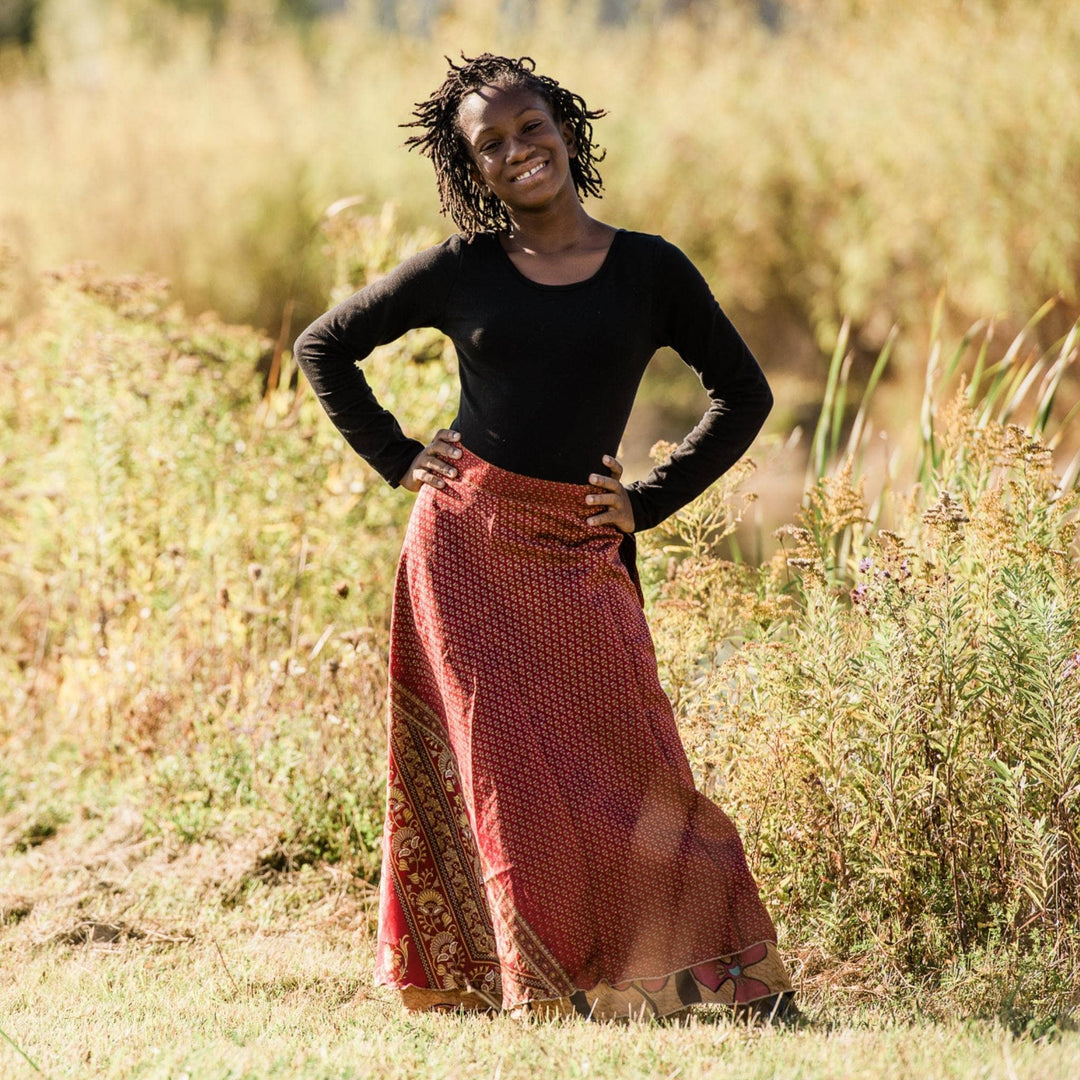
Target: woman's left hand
[(612, 495)]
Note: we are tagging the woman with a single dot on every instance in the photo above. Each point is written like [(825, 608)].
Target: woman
[(545, 850)]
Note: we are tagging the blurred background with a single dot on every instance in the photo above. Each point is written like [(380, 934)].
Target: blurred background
[(196, 573), (820, 161)]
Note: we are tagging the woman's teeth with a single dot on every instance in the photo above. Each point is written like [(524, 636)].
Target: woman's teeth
[(532, 172)]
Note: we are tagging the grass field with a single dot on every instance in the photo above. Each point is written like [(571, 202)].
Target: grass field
[(883, 692), (848, 167), (195, 580), (278, 985)]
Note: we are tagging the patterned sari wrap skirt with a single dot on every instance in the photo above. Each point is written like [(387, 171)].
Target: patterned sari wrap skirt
[(545, 849)]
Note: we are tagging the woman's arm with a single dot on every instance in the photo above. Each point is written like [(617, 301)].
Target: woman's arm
[(411, 296), (688, 318)]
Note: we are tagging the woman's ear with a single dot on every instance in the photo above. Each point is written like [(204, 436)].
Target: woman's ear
[(568, 138), (476, 176)]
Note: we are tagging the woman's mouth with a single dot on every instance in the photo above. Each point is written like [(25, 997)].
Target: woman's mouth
[(529, 173)]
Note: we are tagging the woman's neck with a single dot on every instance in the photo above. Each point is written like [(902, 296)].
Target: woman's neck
[(561, 254), (553, 234)]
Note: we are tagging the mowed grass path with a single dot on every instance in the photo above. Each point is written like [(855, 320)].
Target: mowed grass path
[(124, 954)]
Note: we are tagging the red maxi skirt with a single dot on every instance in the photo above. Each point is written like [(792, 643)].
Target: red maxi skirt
[(545, 847)]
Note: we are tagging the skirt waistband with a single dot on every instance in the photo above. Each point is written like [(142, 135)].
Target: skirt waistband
[(551, 494), (565, 501)]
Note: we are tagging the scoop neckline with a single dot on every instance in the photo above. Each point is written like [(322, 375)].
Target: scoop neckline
[(566, 285)]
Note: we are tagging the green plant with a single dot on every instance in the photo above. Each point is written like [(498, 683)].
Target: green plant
[(898, 728)]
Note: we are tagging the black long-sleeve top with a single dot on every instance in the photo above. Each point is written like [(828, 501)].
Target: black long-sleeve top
[(548, 372)]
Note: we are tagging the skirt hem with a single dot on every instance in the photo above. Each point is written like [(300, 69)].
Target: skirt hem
[(752, 975)]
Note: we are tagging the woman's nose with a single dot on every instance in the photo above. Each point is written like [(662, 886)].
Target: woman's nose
[(517, 149)]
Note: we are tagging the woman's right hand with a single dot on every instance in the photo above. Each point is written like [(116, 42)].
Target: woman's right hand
[(433, 464)]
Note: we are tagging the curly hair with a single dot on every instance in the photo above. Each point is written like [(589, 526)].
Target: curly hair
[(469, 203)]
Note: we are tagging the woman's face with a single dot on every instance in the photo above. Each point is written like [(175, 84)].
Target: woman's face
[(519, 152)]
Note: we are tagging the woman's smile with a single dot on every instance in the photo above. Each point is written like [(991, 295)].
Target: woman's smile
[(529, 173), (517, 147)]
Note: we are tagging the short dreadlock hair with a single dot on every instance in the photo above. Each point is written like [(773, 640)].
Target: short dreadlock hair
[(470, 204)]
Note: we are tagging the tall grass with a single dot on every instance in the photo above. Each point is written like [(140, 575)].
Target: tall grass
[(195, 578), (900, 726), (846, 166)]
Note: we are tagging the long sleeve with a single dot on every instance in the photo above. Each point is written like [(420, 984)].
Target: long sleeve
[(687, 317), (328, 351)]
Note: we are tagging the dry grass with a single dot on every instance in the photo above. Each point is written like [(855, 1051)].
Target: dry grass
[(131, 957), (194, 582), (197, 584), (847, 167)]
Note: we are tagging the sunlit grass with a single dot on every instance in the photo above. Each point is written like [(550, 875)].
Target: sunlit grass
[(846, 167), (196, 579), (195, 576)]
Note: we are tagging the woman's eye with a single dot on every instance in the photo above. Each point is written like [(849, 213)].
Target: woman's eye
[(488, 147), (532, 125)]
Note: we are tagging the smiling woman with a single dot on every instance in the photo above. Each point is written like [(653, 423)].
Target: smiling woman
[(519, 151), (463, 195), (545, 849), (523, 156)]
